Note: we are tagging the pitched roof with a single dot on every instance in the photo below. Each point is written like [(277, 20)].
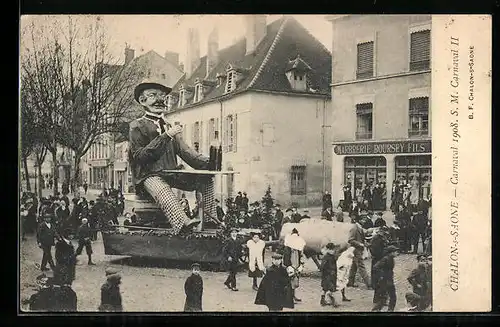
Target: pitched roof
[(265, 68)]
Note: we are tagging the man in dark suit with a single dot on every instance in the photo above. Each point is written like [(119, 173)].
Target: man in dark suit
[(231, 254), (84, 235), (327, 200), (275, 290), (154, 147), (244, 202), (357, 240), (278, 220), (46, 238)]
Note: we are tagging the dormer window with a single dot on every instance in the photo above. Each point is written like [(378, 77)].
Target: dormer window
[(198, 91), (230, 82), (296, 73), (182, 98)]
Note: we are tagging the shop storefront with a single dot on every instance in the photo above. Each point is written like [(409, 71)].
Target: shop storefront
[(121, 175), (368, 163), (99, 174)]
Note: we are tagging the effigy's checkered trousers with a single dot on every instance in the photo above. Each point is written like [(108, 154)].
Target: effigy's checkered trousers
[(170, 204)]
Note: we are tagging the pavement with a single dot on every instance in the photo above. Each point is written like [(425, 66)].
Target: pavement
[(149, 286)]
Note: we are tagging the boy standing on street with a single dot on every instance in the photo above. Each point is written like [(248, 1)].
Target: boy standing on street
[(84, 234), (193, 287)]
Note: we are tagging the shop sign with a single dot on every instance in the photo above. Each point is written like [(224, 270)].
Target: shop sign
[(99, 163), (120, 166), (394, 147)]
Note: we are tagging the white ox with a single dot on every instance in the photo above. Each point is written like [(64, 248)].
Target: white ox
[(319, 232)]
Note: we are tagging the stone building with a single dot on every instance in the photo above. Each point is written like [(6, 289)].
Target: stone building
[(381, 113)]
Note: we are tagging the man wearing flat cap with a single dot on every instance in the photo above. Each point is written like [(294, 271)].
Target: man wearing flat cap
[(111, 298), (383, 280), (275, 290), (154, 147)]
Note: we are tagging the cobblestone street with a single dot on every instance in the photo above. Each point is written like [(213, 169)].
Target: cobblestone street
[(152, 287)]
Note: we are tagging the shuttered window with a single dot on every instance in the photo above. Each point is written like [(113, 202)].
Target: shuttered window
[(365, 60), (364, 121), (196, 136), (420, 50), (230, 133), (419, 117), (230, 82), (298, 180)]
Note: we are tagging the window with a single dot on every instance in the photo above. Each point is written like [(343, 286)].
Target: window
[(230, 133), (196, 136), (419, 117), (420, 50), (298, 180), (365, 60), (230, 83), (182, 98), (416, 171), (213, 130), (198, 93), (364, 115), (361, 171)]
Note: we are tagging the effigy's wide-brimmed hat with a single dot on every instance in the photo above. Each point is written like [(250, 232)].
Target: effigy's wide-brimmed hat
[(150, 84)]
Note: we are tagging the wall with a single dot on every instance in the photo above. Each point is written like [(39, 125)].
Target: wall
[(390, 34), (297, 125), (238, 160), (390, 106), (296, 122)]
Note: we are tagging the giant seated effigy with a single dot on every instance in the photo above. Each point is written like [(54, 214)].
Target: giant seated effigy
[(152, 236)]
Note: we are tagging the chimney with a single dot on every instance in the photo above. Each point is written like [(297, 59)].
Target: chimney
[(193, 51), (129, 54), (173, 57), (256, 29), (213, 50)]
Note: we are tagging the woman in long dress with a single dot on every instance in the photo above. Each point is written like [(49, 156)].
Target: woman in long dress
[(344, 263), (256, 248)]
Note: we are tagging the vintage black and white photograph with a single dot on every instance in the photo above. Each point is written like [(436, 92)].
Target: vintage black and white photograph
[(225, 163)]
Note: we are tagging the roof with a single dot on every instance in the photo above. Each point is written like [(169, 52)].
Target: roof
[(298, 65), (264, 69)]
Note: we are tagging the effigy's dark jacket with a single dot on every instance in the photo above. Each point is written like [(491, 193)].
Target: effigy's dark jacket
[(151, 153)]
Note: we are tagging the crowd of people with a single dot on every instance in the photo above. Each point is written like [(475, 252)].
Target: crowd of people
[(61, 219), (340, 263)]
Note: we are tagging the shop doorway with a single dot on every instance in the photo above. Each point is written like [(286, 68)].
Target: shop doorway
[(415, 171), (360, 172)]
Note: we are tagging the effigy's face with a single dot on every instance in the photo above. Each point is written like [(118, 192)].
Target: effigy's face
[(153, 100)]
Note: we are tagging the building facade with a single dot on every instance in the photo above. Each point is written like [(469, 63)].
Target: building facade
[(266, 100), (381, 113)]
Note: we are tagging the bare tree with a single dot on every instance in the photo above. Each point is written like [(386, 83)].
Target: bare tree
[(39, 151), (40, 58), (27, 135), (97, 91)]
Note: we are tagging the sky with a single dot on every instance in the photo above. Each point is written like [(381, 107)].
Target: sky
[(163, 33)]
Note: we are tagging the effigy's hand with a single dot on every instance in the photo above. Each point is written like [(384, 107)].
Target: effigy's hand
[(174, 130)]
